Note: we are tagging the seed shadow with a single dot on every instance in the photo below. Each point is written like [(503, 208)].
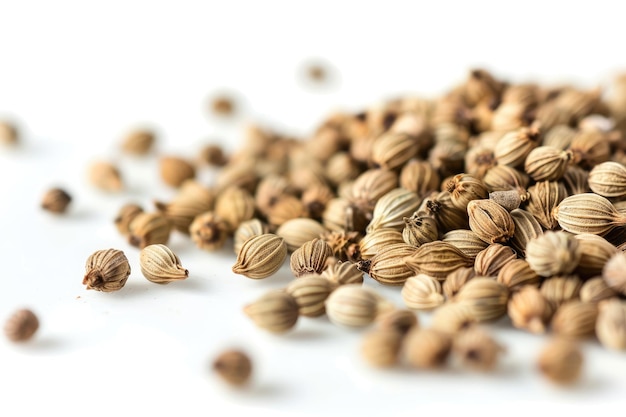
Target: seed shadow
[(305, 334), (44, 343), (264, 390), (192, 283)]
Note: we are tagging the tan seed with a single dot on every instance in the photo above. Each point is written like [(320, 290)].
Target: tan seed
[(106, 270), (234, 367), (261, 256), (276, 312), (21, 326), (160, 265)]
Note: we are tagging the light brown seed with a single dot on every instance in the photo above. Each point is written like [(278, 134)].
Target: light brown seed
[(310, 293), (372, 185), (464, 188), (342, 273), (286, 207), (9, 134), (422, 292), (342, 215), (440, 207), (21, 326), (608, 179), (437, 259), (516, 274), (261, 256), (276, 312), (530, 310), (353, 305), (138, 142), (235, 205), (553, 253), (208, 231), (503, 178), (595, 253), (246, 230), (212, 155), (456, 280), (576, 180), (477, 349), (596, 290), (561, 289), (125, 216), (160, 265), (310, 258), (466, 240), (490, 261), (398, 320), (588, 213), (392, 150), (419, 177), (56, 200), (427, 348), (611, 324), (544, 197), (547, 163), (490, 221), (614, 273), (510, 199), (149, 229), (526, 229), (392, 208), (234, 367), (175, 170), (105, 176), (575, 319), (513, 148), (191, 201), (389, 266), (419, 229), (377, 241), (106, 270), (486, 298), (560, 361), (380, 348), (452, 317)]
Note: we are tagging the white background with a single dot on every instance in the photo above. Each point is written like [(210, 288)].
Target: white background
[(77, 75)]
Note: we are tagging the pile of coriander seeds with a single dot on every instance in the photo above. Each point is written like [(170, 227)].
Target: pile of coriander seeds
[(494, 199)]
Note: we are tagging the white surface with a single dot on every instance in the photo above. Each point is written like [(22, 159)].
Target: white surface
[(77, 75)]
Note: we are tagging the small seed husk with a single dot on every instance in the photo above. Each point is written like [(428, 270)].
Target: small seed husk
[(427, 348), (160, 265), (276, 312), (21, 326), (399, 320), (261, 256), (234, 367), (575, 319), (353, 305), (486, 298), (611, 324), (381, 348), (106, 270), (530, 310), (310, 293), (477, 349), (422, 292), (560, 361)]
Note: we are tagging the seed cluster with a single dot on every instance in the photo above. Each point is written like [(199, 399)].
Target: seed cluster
[(492, 200)]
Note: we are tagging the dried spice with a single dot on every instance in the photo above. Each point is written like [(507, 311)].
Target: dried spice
[(464, 188), (276, 312), (355, 306), (588, 213), (553, 253), (234, 205), (371, 186), (544, 197), (106, 270), (466, 240), (453, 317), (560, 361), (526, 228), (248, 229), (310, 293), (516, 274), (486, 298), (422, 292), (234, 367), (596, 290), (160, 265), (22, 325), (427, 348), (440, 207), (393, 149), (389, 266), (490, 221), (476, 349), (138, 142), (105, 176), (547, 163), (125, 216), (614, 273), (149, 229), (400, 321), (208, 231), (392, 208), (56, 200), (192, 200), (212, 155), (174, 170), (310, 258), (418, 229), (261, 256), (419, 177), (437, 259), (595, 253), (381, 348), (377, 241), (559, 290), (9, 134), (611, 324), (530, 310), (456, 280), (342, 273), (575, 319), (490, 261)]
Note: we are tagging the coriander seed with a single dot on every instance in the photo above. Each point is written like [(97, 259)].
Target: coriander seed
[(160, 265), (234, 367), (21, 325), (106, 270), (56, 200)]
